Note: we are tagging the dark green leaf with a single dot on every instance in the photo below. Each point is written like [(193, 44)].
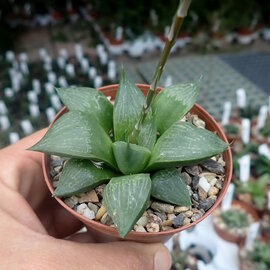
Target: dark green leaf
[(126, 199), (148, 134), (78, 135), (130, 158), (183, 144), (168, 185), (173, 102), (88, 100), (80, 176), (127, 107)]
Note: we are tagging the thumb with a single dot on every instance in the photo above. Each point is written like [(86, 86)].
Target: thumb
[(114, 256)]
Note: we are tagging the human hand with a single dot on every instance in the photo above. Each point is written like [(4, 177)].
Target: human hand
[(35, 230)]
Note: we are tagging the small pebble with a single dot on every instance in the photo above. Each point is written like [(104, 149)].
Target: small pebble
[(202, 193), (154, 219), (55, 184), (167, 222), (171, 216), (186, 221), (198, 122), (219, 184), (178, 221), (82, 209), (100, 190), (206, 204), (106, 219), (195, 182), (58, 169), (71, 201), (166, 228), (162, 215), (162, 207), (90, 196), (213, 182), (188, 214), (142, 221), (187, 178), (139, 228), (195, 196), (152, 227), (193, 170), (180, 209), (213, 166), (101, 212), (203, 183), (196, 217), (213, 191), (93, 207)]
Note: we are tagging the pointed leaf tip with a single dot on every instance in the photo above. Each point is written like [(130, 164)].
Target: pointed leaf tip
[(126, 198)]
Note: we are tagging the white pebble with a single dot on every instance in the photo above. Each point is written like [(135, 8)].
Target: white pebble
[(203, 183), (82, 209)]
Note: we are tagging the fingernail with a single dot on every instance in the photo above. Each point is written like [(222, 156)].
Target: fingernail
[(162, 261)]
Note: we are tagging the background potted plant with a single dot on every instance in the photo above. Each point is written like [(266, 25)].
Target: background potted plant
[(136, 146), (232, 225)]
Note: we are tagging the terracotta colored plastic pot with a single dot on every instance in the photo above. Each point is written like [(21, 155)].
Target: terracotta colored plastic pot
[(229, 237), (105, 233)]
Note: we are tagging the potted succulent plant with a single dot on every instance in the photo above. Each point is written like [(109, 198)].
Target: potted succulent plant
[(141, 151), (232, 225), (254, 192), (257, 258)]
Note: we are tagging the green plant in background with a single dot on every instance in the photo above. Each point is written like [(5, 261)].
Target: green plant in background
[(256, 189), (262, 165), (249, 112), (136, 162), (231, 129), (265, 132), (260, 255), (235, 219)]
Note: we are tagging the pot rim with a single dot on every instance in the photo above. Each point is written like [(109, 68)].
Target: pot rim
[(132, 234)]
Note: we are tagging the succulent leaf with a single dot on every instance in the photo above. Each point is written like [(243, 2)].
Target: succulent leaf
[(77, 135), (169, 186), (127, 108), (126, 198), (130, 158), (173, 102), (89, 100), (80, 176), (184, 143), (148, 134)]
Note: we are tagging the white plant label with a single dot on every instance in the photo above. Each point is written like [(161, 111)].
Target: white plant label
[(52, 78), (103, 58), (23, 57), (241, 98), (112, 74), (252, 234), (56, 102), (63, 53), (9, 92), (228, 198), (98, 82), (264, 150), (49, 88), (42, 53), (70, 70), (36, 86), (15, 82), (111, 65), (100, 49), (227, 108), (245, 134), (10, 56), (27, 127), (62, 82), (4, 122), (84, 65), (244, 163), (47, 66), (32, 97), (24, 68), (13, 137), (119, 33), (3, 107), (262, 117), (92, 73), (61, 62), (50, 113), (34, 110)]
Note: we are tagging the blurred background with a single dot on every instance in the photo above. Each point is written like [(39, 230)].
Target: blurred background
[(47, 44)]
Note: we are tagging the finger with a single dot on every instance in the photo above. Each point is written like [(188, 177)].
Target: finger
[(113, 256)]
